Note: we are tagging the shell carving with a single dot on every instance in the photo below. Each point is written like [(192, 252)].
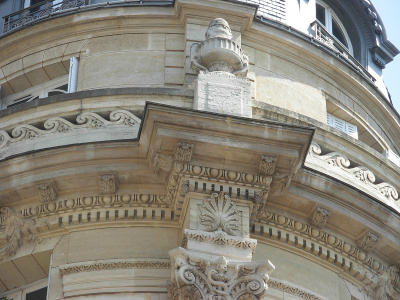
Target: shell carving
[(218, 213)]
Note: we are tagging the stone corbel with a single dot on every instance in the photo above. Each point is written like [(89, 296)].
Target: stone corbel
[(319, 217), (367, 241), (47, 191), (108, 183)]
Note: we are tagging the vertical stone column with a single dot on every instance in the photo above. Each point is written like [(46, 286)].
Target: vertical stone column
[(213, 262)]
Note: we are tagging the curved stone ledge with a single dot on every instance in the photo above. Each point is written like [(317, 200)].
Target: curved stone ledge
[(98, 93), (89, 127), (340, 167)]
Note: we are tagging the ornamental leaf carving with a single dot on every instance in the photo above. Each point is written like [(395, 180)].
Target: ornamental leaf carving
[(219, 213), (389, 284), (11, 232), (198, 278)]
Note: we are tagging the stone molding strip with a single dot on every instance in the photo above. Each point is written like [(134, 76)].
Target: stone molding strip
[(114, 264), (339, 166), (293, 289), (99, 93), (90, 202), (312, 234)]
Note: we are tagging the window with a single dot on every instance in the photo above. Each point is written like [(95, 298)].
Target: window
[(342, 125), (332, 24)]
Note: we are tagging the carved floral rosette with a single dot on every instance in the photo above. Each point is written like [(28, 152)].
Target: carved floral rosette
[(196, 278)]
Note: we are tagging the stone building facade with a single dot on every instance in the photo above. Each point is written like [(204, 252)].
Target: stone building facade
[(202, 149)]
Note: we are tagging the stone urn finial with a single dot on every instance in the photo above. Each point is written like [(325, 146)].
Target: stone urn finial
[(218, 52)]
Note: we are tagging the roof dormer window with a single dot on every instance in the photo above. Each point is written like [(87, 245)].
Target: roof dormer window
[(333, 26)]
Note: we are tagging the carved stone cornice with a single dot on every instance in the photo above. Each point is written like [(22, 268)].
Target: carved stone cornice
[(114, 264), (91, 202), (310, 234), (195, 277), (337, 165), (368, 241), (47, 191), (319, 217)]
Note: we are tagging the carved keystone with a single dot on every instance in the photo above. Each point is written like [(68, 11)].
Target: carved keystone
[(47, 191), (267, 165), (368, 241), (108, 183), (319, 217), (184, 152)]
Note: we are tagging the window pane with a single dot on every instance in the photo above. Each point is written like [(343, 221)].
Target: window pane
[(37, 295), (337, 32), (321, 14)]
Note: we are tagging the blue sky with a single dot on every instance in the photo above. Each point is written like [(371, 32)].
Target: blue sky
[(389, 12)]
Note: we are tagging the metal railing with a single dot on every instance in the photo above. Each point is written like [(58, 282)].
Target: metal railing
[(49, 8), (325, 38), (272, 9)]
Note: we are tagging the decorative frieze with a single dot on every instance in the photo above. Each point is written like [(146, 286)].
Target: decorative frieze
[(184, 152), (218, 239), (218, 213), (339, 166), (108, 183), (368, 241), (60, 125), (90, 202), (113, 265), (313, 234), (292, 289), (267, 165), (319, 217), (47, 191)]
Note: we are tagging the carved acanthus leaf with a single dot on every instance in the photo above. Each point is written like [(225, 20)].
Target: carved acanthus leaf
[(368, 241), (197, 278), (184, 152), (108, 183), (319, 217), (219, 213), (12, 226), (164, 162), (47, 191), (389, 284), (267, 165)]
